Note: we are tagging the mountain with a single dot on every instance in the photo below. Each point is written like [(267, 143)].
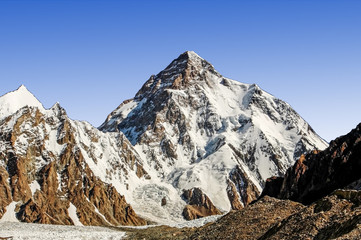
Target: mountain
[(317, 174), (195, 129), (59, 171), (191, 143)]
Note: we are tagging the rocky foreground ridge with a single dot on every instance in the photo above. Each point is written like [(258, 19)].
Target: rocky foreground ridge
[(317, 174), (336, 216)]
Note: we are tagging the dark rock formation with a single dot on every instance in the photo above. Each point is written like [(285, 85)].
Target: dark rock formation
[(337, 216), (240, 190), (249, 223), (317, 174), (199, 205)]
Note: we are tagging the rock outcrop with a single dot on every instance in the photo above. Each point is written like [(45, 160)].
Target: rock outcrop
[(249, 223), (337, 216), (198, 205), (317, 174)]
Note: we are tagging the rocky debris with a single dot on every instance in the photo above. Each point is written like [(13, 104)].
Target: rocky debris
[(337, 216), (317, 174), (45, 181), (156, 233), (198, 205), (249, 223)]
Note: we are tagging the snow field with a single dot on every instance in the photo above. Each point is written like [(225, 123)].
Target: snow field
[(31, 231)]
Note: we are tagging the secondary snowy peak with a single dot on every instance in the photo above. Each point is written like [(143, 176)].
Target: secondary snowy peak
[(13, 101), (60, 171), (198, 129)]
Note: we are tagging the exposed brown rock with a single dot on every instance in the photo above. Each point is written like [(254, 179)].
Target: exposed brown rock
[(241, 191), (317, 174), (5, 191), (199, 205), (337, 216), (249, 223), (63, 180), (233, 196)]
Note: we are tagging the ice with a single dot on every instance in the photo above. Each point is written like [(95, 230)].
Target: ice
[(31, 231)]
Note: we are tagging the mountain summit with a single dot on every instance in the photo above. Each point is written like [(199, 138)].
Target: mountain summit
[(182, 72), (13, 101), (196, 129)]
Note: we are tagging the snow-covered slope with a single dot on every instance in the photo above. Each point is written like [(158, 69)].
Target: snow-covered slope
[(13, 101), (31, 231), (196, 128)]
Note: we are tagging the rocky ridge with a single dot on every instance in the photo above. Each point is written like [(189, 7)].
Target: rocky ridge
[(317, 174), (336, 216), (49, 169)]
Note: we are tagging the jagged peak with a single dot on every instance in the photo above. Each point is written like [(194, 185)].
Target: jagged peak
[(187, 59), (56, 106), (190, 55), (58, 109), (13, 101), (181, 72), (22, 88)]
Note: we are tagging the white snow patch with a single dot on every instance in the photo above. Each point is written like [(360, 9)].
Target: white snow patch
[(73, 215), (31, 231), (34, 186), (13, 101), (10, 213)]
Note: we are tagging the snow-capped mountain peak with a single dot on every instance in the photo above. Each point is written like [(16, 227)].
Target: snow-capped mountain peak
[(15, 100), (188, 69), (198, 129)]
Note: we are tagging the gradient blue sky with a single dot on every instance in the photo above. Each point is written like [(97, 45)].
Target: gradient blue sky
[(92, 55)]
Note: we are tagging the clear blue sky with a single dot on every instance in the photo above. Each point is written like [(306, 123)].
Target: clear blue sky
[(92, 55)]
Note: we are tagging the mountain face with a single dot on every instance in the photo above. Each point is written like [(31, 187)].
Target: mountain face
[(317, 174), (194, 128), (56, 170)]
